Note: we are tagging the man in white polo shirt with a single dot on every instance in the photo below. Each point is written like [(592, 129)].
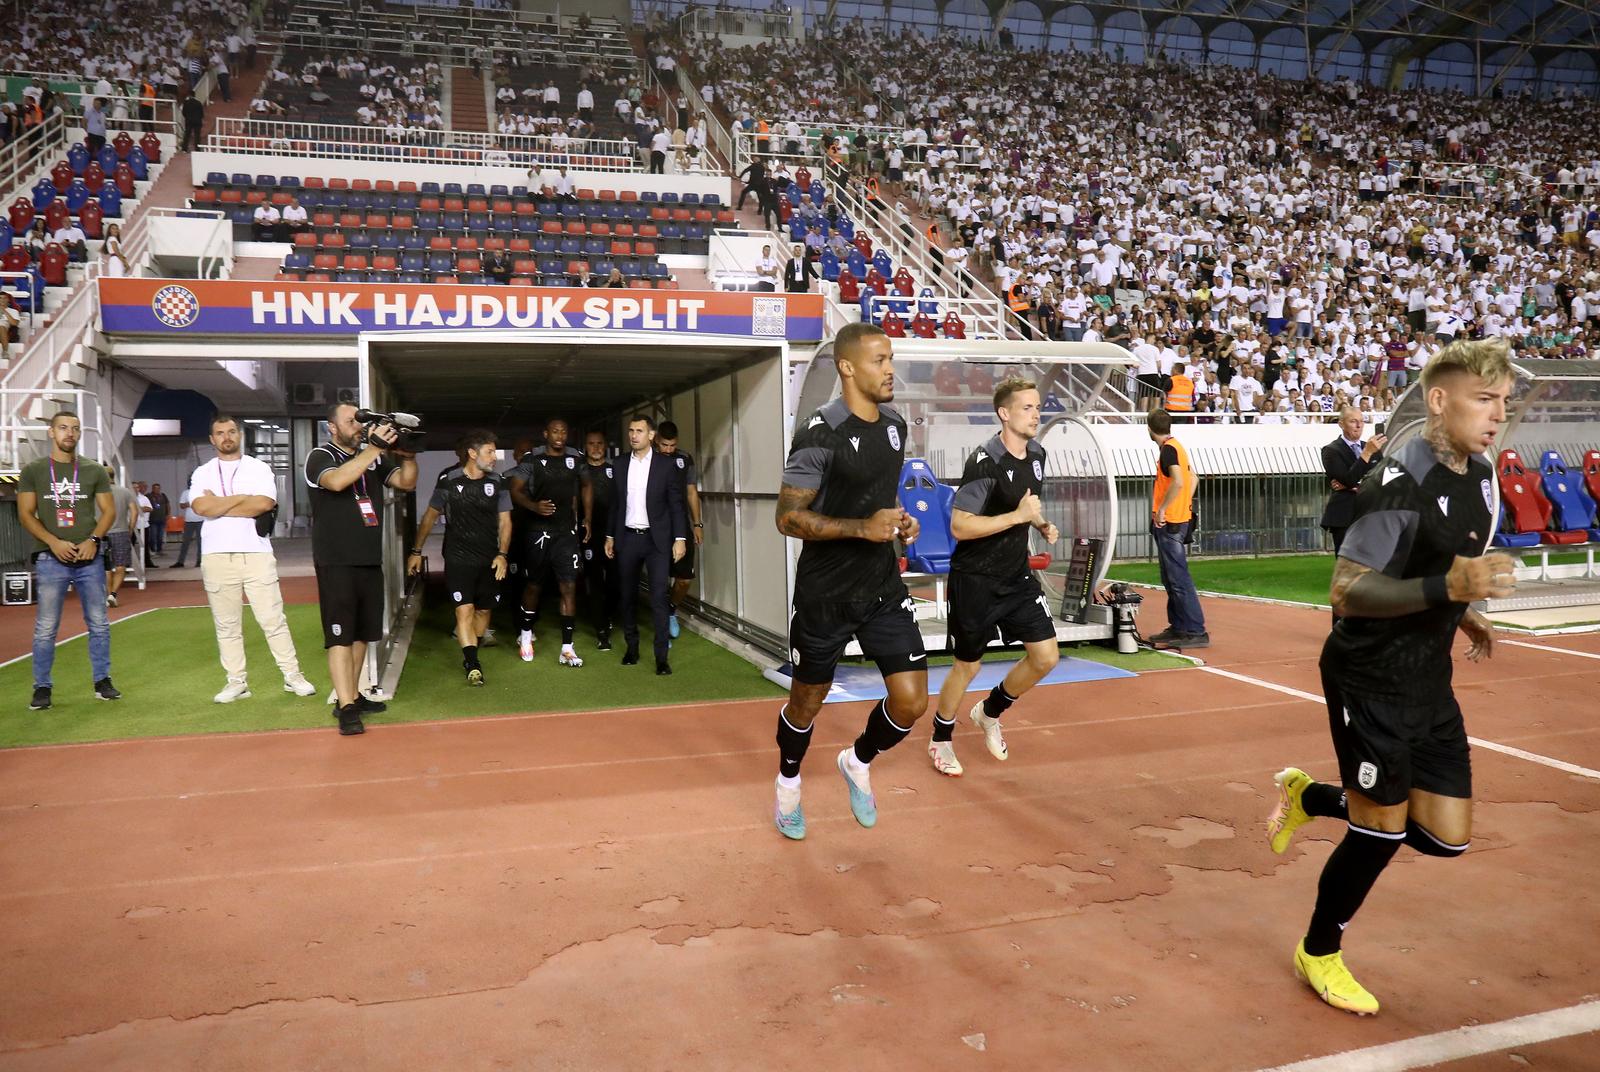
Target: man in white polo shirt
[(230, 492)]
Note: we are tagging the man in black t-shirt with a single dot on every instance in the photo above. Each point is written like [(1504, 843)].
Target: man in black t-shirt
[(840, 495), (993, 592), (1410, 566), (346, 477), (683, 568), (550, 486), (599, 580), (477, 512)]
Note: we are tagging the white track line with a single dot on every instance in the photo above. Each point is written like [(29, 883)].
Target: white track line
[(1425, 1051), (80, 636), (1503, 749), (1548, 647)]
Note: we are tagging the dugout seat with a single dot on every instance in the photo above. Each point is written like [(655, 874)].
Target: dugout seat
[(1571, 507), (1505, 538), (1527, 509), (1591, 473), (929, 501)]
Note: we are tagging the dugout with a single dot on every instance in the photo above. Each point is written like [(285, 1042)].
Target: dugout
[(945, 391), (1552, 424), (727, 395)]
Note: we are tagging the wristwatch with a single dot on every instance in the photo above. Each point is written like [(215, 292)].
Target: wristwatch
[(416, 551)]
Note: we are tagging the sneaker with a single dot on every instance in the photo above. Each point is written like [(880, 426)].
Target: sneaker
[(672, 626), (474, 676), (41, 698), (603, 640), (487, 640), (1193, 640), (991, 731), (236, 690), (104, 690), (787, 814), (569, 657), (299, 686), (525, 646), (862, 805), (1333, 982), (1290, 815), (943, 754), (1166, 636), (111, 599), (368, 706), (350, 721)]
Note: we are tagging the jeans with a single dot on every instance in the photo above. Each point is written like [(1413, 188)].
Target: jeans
[(157, 531), (51, 577), (191, 534), (1183, 604)]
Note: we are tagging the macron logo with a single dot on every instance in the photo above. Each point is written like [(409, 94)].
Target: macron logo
[(1390, 474), (1444, 505), (855, 441)]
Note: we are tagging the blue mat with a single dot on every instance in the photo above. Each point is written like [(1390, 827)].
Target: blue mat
[(852, 683)]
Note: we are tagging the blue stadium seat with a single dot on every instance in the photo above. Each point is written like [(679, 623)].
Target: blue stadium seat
[(216, 178), (499, 191), (829, 262), (930, 502), (78, 159), (452, 188), (441, 261), (883, 263), (413, 261), (476, 189), (238, 178), (649, 197), (290, 183), (1572, 508), (299, 261), (358, 200), (139, 164), (44, 192), (76, 197), (690, 199), (710, 201), (412, 277), (570, 247), (429, 188)]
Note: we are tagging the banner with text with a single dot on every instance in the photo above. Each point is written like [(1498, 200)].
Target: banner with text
[(285, 307)]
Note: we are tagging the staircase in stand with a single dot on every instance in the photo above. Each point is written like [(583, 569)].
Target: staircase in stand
[(468, 109)]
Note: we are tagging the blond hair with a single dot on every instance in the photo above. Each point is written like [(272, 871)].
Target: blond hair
[(1489, 359)]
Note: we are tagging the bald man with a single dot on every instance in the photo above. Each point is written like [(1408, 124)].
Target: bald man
[(1345, 461)]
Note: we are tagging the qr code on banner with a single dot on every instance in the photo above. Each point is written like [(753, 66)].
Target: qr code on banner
[(769, 316)]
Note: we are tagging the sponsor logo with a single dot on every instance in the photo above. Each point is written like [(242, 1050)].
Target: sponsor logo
[(919, 656), (176, 306), (769, 316), (1010, 474), (1367, 776), (794, 656), (855, 441), (1444, 504), (894, 437), (816, 420), (460, 487)]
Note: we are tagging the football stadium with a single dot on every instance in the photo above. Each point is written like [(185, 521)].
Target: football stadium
[(598, 406)]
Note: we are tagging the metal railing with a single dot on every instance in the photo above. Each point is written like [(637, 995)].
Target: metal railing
[(457, 148), (28, 154), (24, 285), (984, 318), (165, 116), (720, 141), (701, 22), (1237, 515)]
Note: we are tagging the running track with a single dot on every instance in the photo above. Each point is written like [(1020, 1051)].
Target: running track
[(605, 890)]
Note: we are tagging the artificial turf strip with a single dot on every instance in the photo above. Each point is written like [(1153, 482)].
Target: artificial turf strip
[(1298, 578), (165, 664)]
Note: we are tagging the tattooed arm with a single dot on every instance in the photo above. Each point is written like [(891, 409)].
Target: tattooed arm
[(1362, 592), (796, 518)]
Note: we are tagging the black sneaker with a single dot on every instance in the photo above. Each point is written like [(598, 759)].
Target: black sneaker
[(1166, 636), (1193, 640), (41, 699), (350, 721), (365, 705), (104, 690), (630, 657), (603, 640), (662, 668)]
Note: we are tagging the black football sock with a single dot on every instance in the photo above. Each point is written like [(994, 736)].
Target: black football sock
[(1422, 839), (1347, 878), (942, 730), (469, 657), (568, 624), (1324, 800), (792, 745), (995, 704), (526, 619), (880, 735)]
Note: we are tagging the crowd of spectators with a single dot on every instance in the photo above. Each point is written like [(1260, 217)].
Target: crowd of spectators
[(370, 91), (1303, 243)]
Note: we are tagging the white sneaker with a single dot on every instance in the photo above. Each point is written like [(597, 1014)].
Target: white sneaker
[(943, 754), (488, 639), (111, 599), (569, 657), (299, 686), (525, 646), (236, 690), (991, 731)]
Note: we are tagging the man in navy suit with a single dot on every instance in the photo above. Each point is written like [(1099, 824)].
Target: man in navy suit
[(649, 530), (1346, 461)]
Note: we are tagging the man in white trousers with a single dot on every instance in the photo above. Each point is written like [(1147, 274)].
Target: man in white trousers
[(229, 493)]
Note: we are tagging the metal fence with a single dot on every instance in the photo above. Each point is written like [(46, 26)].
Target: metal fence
[(1238, 515)]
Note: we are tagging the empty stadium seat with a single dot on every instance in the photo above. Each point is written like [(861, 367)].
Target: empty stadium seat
[(1527, 509), (1571, 507), (930, 502)]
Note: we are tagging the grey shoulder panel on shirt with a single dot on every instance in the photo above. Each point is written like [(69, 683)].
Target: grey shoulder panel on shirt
[(806, 467), (1034, 449), (995, 448), (973, 495), (1381, 539), (1416, 458), (835, 413), (891, 413)]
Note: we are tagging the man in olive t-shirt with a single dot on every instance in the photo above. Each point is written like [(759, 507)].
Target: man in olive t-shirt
[(65, 503)]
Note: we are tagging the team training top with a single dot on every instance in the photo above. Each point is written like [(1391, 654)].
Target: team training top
[(471, 510), (1412, 518), (992, 484), (854, 466), (557, 477), (601, 479)]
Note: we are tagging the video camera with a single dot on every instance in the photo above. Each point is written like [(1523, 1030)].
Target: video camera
[(407, 425)]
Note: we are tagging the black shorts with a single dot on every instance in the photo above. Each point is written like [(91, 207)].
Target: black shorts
[(819, 632), (1388, 747), (550, 551), (1151, 382), (984, 608), (683, 569), (351, 599), (471, 583)]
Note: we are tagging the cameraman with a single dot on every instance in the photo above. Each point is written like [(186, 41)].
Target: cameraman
[(346, 477)]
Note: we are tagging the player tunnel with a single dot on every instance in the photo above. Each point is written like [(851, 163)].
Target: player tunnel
[(728, 397)]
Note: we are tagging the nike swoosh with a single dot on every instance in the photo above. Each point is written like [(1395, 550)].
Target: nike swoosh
[(924, 655)]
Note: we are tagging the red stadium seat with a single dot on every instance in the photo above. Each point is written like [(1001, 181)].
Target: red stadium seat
[(1527, 509), (53, 265), (385, 262), (576, 229), (466, 244), (355, 262), (640, 284), (893, 326), (325, 262), (922, 326), (953, 326), (643, 249), (304, 240), (440, 242), (849, 289), (334, 241), (338, 184)]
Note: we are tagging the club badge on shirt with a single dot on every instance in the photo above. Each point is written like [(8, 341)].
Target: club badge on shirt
[(894, 437), (1488, 495)]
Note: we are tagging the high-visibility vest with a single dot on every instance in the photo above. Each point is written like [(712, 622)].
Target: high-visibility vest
[(872, 187), (147, 95), (935, 239), (1016, 299), (1179, 511), (1180, 396)]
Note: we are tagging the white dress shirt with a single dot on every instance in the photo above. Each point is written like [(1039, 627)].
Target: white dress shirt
[(636, 515)]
